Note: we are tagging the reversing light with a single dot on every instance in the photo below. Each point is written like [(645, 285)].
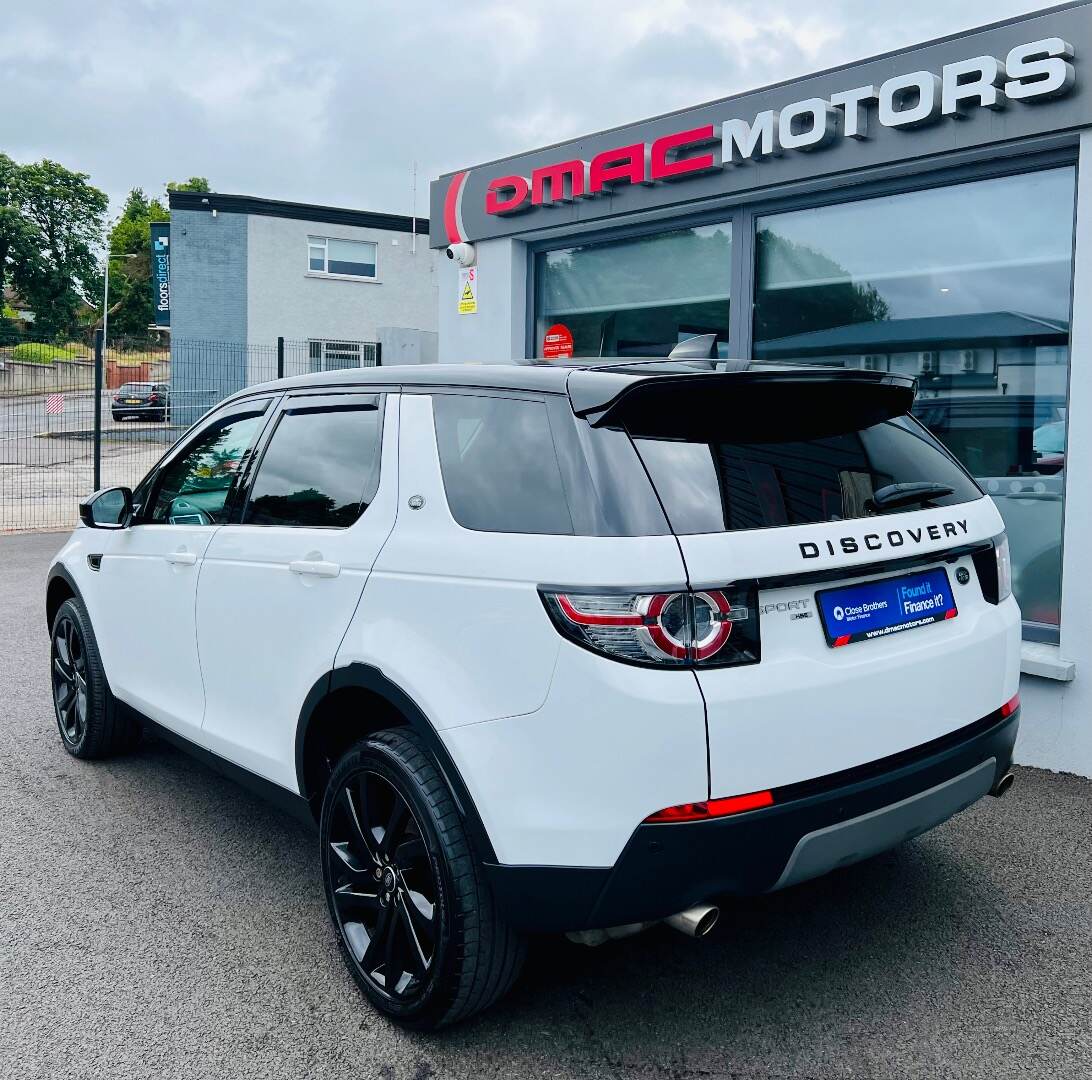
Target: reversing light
[(682, 628), (712, 808), (1010, 706)]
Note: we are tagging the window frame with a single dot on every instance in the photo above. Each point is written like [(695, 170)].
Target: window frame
[(324, 243), (148, 489), (324, 398)]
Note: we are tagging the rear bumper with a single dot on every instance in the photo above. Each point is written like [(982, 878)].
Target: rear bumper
[(812, 828)]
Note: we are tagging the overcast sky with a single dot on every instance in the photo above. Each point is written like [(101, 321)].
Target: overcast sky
[(332, 102)]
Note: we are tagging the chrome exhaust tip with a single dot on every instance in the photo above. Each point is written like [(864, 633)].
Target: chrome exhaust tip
[(695, 922), (1002, 785)]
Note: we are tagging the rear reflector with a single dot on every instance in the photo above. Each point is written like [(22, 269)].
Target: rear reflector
[(712, 808), (1010, 706)]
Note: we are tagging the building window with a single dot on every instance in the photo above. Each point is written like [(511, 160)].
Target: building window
[(343, 258), (966, 287), (336, 355), (640, 296)]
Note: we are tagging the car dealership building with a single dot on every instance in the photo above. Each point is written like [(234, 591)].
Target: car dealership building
[(926, 212)]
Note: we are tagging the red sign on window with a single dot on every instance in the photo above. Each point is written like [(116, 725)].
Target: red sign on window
[(558, 342)]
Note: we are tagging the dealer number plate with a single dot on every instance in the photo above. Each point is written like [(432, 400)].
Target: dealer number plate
[(876, 609)]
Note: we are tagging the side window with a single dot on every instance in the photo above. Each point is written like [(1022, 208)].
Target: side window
[(499, 464), (193, 488), (321, 469)]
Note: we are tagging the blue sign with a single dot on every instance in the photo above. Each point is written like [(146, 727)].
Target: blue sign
[(161, 272), (878, 608)]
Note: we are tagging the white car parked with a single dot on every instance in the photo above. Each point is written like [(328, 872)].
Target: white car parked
[(553, 648)]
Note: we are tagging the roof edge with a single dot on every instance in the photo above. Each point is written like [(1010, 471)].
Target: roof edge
[(297, 211)]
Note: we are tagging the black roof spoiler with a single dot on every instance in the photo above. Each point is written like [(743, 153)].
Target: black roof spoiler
[(613, 397)]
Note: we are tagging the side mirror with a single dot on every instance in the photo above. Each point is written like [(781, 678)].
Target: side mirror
[(107, 508)]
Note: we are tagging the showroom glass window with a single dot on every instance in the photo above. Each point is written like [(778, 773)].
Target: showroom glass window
[(639, 296), (966, 287)]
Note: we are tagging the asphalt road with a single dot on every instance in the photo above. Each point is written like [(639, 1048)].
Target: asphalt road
[(157, 921)]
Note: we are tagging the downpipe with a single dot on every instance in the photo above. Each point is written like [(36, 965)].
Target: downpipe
[(694, 922), (1002, 786)]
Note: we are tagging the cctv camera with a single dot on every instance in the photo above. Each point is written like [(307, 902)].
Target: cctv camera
[(463, 254)]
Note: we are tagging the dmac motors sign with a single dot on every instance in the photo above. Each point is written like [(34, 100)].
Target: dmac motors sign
[(1031, 72), (731, 148)]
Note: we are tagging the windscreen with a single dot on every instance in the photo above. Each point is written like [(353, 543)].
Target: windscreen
[(713, 481)]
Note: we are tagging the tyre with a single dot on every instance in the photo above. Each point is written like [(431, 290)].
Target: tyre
[(90, 723), (415, 919)]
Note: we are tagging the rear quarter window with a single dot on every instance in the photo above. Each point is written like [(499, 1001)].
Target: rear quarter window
[(499, 464)]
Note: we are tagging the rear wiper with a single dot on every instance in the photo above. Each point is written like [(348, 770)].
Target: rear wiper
[(901, 494)]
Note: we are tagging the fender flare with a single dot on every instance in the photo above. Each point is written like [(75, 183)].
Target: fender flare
[(367, 677), (58, 571)]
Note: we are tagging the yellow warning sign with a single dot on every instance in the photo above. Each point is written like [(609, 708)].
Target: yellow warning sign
[(468, 291)]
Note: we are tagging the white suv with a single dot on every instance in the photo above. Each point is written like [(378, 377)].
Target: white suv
[(553, 648)]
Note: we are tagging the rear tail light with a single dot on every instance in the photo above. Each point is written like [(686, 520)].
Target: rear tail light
[(705, 628), (994, 568), (153, 397), (712, 808), (1010, 706)]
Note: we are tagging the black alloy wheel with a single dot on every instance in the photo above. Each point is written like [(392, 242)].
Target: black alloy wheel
[(385, 891), (416, 921), (70, 697)]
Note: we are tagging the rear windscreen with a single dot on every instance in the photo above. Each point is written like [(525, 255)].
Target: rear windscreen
[(716, 484)]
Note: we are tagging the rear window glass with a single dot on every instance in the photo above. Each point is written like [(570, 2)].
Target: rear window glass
[(499, 464), (135, 388), (724, 486)]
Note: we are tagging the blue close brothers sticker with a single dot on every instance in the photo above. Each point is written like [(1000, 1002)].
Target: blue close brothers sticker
[(878, 608)]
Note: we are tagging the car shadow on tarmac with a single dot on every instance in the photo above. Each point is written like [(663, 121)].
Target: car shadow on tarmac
[(868, 962)]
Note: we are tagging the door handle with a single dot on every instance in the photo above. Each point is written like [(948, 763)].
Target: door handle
[(315, 568), (181, 558)]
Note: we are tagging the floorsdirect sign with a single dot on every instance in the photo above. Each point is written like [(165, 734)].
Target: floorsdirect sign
[(161, 272)]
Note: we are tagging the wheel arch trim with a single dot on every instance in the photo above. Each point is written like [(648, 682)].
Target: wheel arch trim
[(366, 677), (60, 573)]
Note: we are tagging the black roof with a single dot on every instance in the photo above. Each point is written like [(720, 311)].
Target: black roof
[(332, 215), (591, 384)]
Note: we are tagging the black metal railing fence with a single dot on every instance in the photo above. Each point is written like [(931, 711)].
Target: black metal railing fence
[(75, 416)]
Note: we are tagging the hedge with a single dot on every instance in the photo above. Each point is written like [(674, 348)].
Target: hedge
[(33, 352)]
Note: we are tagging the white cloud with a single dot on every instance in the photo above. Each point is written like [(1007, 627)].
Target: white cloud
[(332, 102)]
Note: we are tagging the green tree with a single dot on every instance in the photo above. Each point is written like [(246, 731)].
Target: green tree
[(16, 233), (194, 183), (131, 310), (66, 214), (131, 303)]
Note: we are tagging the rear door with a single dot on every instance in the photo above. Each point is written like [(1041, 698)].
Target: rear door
[(279, 587), (779, 490)]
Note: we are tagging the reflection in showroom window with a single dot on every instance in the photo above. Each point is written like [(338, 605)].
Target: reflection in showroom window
[(639, 296), (966, 287)]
